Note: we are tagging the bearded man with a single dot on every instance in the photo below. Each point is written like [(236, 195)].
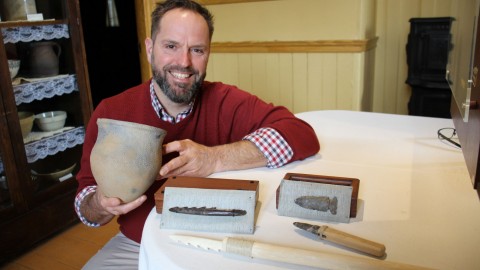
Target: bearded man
[(211, 127)]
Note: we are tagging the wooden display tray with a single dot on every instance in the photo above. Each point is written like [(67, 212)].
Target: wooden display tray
[(206, 183), (332, 180)]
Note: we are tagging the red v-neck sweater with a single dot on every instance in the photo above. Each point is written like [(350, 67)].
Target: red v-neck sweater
[(221, 114)]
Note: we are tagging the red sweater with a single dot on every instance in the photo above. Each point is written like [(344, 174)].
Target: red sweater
[(222, 114)]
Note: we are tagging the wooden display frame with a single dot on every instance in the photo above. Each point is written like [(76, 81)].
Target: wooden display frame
[(204, 183), (324, 179)]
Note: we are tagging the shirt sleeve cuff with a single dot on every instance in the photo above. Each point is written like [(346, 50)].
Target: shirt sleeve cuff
[(78, 201), (273, 146)]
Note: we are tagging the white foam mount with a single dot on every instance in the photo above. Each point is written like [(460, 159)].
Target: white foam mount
[(315, 200), (208, 204)]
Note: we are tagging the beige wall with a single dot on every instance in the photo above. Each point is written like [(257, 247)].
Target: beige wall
[(288, 20), (299, 80), (339, 78)]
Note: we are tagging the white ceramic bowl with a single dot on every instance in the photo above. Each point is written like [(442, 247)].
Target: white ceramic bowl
[(13, 67), (26, 122), (50, 121)]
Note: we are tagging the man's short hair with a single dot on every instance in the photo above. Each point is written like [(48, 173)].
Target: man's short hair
[(168, 5)]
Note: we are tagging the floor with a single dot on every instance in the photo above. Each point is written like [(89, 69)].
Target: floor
[(69, 250)]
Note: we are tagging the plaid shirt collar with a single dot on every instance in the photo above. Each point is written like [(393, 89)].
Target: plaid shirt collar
[(162, 114)]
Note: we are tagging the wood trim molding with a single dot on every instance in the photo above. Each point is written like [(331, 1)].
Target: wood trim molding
[(143, 10), (330, 46)]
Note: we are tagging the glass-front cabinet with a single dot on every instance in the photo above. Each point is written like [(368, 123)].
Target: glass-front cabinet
[(44, 109)]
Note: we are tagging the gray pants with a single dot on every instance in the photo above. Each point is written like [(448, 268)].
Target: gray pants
[(120, 253)]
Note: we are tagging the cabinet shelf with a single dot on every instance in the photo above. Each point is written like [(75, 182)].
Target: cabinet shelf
[(26, 201), (53, 144), (59, 85), (13, 33)]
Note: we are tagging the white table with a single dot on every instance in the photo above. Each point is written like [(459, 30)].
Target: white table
[(415, 197)]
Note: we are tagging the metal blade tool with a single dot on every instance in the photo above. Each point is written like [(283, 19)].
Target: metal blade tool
[(345, 239)]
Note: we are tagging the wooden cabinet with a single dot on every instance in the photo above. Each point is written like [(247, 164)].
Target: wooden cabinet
[(468, 131), (34, 204)]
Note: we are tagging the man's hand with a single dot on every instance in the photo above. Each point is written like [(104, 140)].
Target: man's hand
[(101, 209), (198, 160), (194, 159), (115, 206)]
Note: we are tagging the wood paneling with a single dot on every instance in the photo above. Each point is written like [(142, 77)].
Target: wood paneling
[(298, 81)]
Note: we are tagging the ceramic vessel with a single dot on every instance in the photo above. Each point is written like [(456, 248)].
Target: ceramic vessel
[(26, 122), (13, 67), (14, 10), (43, 58), (50, 121), (126, 158)]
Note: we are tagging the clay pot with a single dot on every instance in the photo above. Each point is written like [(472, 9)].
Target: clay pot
[(43, 59), (126, 158)]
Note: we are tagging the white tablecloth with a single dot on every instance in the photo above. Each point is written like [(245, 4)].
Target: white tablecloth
[(415, 197)]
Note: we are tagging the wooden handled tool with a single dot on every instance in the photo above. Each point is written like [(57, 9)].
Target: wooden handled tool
[(284, 254), (344, 239)]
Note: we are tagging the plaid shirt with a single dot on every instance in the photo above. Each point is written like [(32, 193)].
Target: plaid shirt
[(268, 140), (273, 146)]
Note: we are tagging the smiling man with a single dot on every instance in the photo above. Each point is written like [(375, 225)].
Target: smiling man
[(211, 127), (179, 57)]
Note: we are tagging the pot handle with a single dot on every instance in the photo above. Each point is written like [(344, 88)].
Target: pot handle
[(58, 48)]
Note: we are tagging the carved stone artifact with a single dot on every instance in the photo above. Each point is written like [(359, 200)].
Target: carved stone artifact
[(319, 203), (332, 180), (316, 197), (126, 158), (212, 211)]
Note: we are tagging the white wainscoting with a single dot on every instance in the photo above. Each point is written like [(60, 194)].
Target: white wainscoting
[(299, 81)]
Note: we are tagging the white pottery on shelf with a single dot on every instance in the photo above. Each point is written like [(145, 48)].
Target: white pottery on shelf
[(50, 121), (126, 158)]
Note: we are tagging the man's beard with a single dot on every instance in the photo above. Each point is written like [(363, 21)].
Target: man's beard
[(183, 97)]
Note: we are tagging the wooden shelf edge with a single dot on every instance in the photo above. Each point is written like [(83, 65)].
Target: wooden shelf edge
[(319, 46), (7, 24)]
